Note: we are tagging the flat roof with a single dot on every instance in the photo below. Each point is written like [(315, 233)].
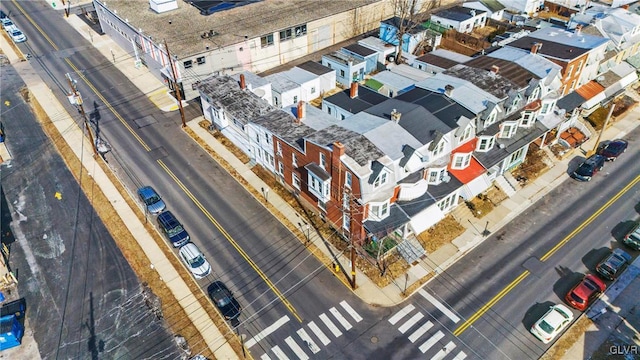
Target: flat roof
[(182, 28), (549, 48), (458, 13), (510, 70), (360, 50), (315, 67)]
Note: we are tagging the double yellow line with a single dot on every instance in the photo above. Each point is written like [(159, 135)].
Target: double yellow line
[(464, 326)]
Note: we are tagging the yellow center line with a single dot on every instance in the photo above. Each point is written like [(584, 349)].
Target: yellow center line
[(232, 242), (44, 34), (545, 257)]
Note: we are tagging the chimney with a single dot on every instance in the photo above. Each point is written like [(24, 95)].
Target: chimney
[(243, 84), (495, 69), (354, 90), (395, 116), (535, 48), (448, 90), (425, 173), (301, 112), (336, 153), (578, 29), (625, 6)]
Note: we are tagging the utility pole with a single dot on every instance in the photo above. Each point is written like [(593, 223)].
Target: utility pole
[(353, 248), (604, 126), (175, 83), (77, 100)]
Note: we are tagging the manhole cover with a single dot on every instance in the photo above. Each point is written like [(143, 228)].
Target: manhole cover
[(374, 339)]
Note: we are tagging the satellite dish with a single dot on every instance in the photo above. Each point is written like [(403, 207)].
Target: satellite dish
[(502, 146)]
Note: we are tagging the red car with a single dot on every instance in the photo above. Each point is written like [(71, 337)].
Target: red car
[(587, 290)]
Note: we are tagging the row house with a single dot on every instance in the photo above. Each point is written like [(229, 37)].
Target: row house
[(439, 60), (462, 19), (493, 8), (351, 101), (348, 68)]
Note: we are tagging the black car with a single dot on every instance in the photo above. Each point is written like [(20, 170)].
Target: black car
[(613, 264), (172, 228), (588, 168), (224, 300), (613, 149)]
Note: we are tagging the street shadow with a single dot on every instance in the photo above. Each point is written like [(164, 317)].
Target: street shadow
[(574, 163), (637, 208), (535, 312), (94, 118), (622, 229), (568, 279), (5, 217), (594, 256)]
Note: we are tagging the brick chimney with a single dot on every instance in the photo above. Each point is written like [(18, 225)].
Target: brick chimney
[(578, 29), (448, 90), (336, 152), (535, 48), (395, 116), (354, 90), (243, 83), (300, 113), (495, 69)]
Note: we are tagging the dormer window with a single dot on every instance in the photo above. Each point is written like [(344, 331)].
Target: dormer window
[(485, 143), (547, 106), (534, 94), (461, 161), (378, 211), (439, 148), (380, 180), (527, 119), (468, 131), (436, 175), (491, 118), (508, 129)]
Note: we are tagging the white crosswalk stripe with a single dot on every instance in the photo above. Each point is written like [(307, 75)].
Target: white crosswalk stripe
[(400, 314), (407, 325), (345, 324), (316, 330), (279, 353), (444, 351), (296, 348), (351, 312), (461, 355), (420, 331), (334, 330), (266, 332), (440, 306), (432, 341), (308, 341), (265, 357)]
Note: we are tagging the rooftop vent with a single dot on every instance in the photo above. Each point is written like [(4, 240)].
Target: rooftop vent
[(162, 6)]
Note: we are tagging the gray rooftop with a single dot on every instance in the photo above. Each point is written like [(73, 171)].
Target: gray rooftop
[(343, 58), (231, 26), (242, 105), (382, 228), (298, 75), (315, 68), (434, 193), (532, 62), (366, 98), (506, 147), (444, 108), (495, 84), (393, 80), (357, 147), (569, 38), (281, 83), (251, 79), (360, 50), (458, 13)]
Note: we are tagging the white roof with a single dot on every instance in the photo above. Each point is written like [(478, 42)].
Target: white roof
[(569, 38), (451, 55), (409, 72), (534, 63), (393, 80), (376, 44), (464, 92)]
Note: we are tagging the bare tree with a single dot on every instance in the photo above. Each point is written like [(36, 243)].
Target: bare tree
[(408, 14)]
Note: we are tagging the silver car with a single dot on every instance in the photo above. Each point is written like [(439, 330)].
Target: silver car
[(194, 259)]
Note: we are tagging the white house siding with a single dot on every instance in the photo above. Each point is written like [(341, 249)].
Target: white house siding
[(412, 191), (475, 187), (238, 139), (327, 82), (426, 219)]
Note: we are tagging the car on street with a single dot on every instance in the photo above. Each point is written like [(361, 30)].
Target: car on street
[(582, 294), (194, 259), (613, 149), (17, 35), (632, 239), (552, 323), (173, 229), (151, 200), (588, 168), (8, 25), (613, 264), (224, 300)]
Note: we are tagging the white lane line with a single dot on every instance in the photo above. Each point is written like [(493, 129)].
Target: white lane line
[(264, 333), (279, 353), (265, 357), (421, 330), (445, 310), (308, 341), (432, 341), (400, 314), (350, 310), (461, 355), (334, 330), (296, 349), (407, 325), (444, 351), (345, 324), (316, 330)]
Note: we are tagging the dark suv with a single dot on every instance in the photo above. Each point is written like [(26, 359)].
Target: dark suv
[(613, 264), (172, 228), (613, 149), (588, 168), (224, 300)]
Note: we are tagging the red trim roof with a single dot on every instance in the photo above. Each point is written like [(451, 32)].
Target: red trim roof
[(474, 169)]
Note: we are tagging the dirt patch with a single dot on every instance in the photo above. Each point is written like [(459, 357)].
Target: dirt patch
[(440, 234), (173, 313), (623, 104), (480, 205), (560, 348), (534, 165), (236, 151)]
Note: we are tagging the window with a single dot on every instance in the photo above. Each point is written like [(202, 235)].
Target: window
[(508, 129), (267, 139), (293, 32), (573, 85), (342, 74), (200, 60), (527, 118), (329, 110), (516, 156), (379, 210), (258, 138), (380, 180), (439, 148), (491, 119), (486, 143), (447, 202), (467, 133), (294, 160), (579, 67), (188, 64), (295, 99), (313, 89), (279, 147), (342, 117), (280, 168), (275, 101), (348, 179), (301, 30), (295, 180), (569, 71), (433, 176), (534, 94), (286, 34), (346, 221), (345, 200), (266, 40), (461, 161), (270, 159), (323, 160)]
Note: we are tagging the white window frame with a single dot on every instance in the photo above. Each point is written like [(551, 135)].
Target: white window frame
[(323, 160), (439, 148), (468, 131), (485, 143), (528, 118), (294, 160), (280, 168), (508, 129), (321, 189), (461, 161), (547, 106), (447, 202), (295, 180), (534, 94), (346, 221), (345, 200), (379, 210), (436, 175), (381, 179), (279, 148), (491, 118), (348, 179)]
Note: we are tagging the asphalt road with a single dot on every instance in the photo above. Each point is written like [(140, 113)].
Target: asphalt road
[(83, 299)]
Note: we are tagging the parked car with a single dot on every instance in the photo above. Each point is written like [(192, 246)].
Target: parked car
[(632, 239), (224, 300), (17, 35), (613, 264), (588, 168), (552, 323), (151, 200), (613, 149), (195, 261), (582, 294), (8, 24), (173, 229)]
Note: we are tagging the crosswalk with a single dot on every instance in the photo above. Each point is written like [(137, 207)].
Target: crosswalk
[(309, 339), (422, 331)]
